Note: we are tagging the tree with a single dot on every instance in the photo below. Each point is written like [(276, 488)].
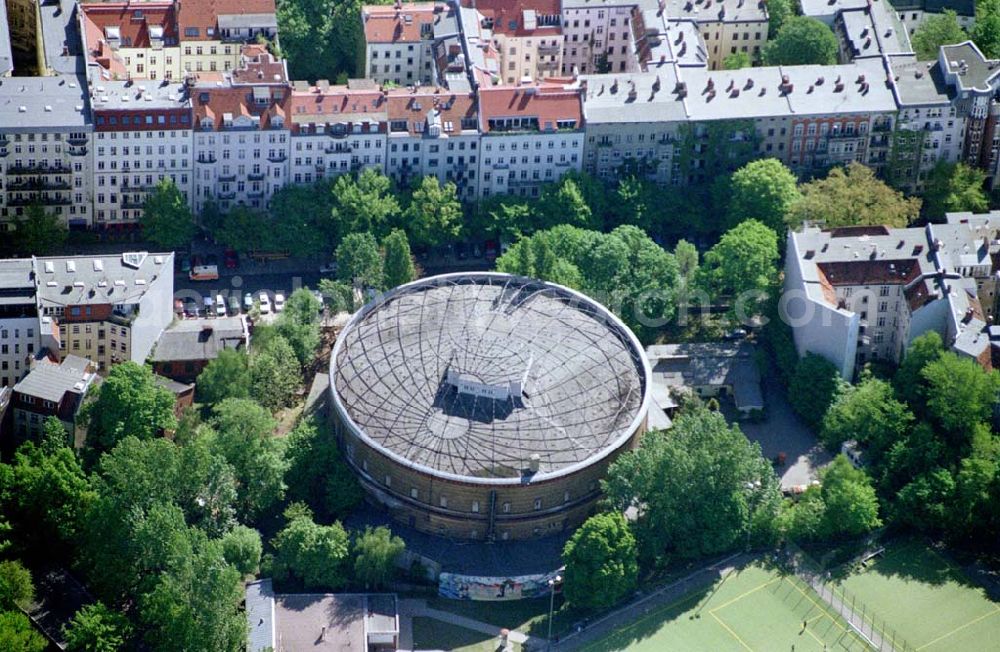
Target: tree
[(317, 473), (499, 216), (399, 268), (868, 413), (166, 218), (686, 255), (953, 187), (937, 30), (39, 233), (601, 562), (434, 214), (736, 60), (300, 219), (802, 41), (851, 507), (778, 11), (700, 489), (275, 375), (299, 324), (245, 230), (129, 402), (741, 266), (764, 190), (17, 634), (242, 548), (17, 590), (359, 261), (375, 553), (315, 555), (563, 203), (852, 196), (244, 439), (96, 628), (908, 380), (227, 376), (823, 380), (960, 395), (337, 295), (364, 205), (986, 30)]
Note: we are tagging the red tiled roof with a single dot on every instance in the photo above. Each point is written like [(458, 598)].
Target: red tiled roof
[(133, 23), (414, 107), (336, 104), (386, 24), (214, 103), (870, 272), (508, 16), (204, 14), (257, 66), (548, 103)]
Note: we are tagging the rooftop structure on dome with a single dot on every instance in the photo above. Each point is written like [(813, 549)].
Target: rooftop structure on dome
[(472, 383)]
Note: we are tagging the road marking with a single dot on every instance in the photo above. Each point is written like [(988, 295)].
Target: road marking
[(743, 595), (961, 627), (731, 632)]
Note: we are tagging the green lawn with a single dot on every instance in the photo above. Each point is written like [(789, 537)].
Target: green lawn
[(755, 609), (430, 634), (932, 605)]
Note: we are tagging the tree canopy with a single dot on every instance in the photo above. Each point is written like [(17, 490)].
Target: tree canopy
[(741, 267), (934, 31), (317, 474), (225, 376), (986, 30), (823, 380), (601, 562), (434, 214), (801, 41), (399, 268), (763, 190), (852, 196), (315, 555), (129, 403), (375, 553), (38, 233), (96, 628), (166, 217), (953, 187), (359, 261)]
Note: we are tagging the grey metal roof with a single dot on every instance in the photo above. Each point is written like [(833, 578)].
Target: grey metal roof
[(199, 339), (50, 382), (237, 21), (15, 273), (138, 95), (607, 99), (260, 616), (43, 103), (80, 280), (979, 73), (61, 36), (721, 11), (709, 364), (585, 380), (918, 83)]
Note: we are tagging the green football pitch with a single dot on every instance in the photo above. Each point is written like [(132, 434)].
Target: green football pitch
[(917, 593), (754, 609)]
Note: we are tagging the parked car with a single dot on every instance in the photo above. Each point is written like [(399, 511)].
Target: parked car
[(329, 268), (209, 306), (232, 259), (265, 303), (191, 308), (279, 302), (247, 301), (234, 304), (185, 264), (220, 306)]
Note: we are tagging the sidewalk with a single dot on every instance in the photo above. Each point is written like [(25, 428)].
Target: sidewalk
[(411, 608)]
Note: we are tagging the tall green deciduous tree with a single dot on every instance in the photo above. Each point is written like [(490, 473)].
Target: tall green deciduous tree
[(937, 30), (17, 590), (763, 190), (953, 187), (315, 555), (38, 233), (742, 266), (365, 204), (244, 438), (96, 628), (434, 214), (824, 384), (359, 261), (317, 474), (298, 323), (17, 634), (778, 11), (275, 375), (226, 376), (300, 219), (166, 217), (499, 216), (853, 196), (700, 489), (375, 553), (908, 380), (601, 562), (960, 395), (736, 61), (399, 268), (851, 507), (986, 30), (868, 413), (802, 41), (242, 548), (563, 203), (129, 403)]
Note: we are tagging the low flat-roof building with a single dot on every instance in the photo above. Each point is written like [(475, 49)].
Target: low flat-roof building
[(709, 369), (364, 622), (187, 345)]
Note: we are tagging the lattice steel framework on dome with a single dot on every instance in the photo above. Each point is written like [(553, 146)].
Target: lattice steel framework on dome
[(489, 377)]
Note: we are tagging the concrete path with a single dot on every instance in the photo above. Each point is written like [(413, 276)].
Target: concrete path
[(411, 608)]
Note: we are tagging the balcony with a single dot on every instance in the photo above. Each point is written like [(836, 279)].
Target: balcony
[(36, 185), (277, 158), (259, 194), (206, 159), (338, 149), (77, 141), (132, 203), (227, 177), (77, 151), (256, 176), (44, 200), (548, 49), (227, 195), (39, 169)]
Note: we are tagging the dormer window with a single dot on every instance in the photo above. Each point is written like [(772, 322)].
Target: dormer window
[(206, 123), (191, 32)]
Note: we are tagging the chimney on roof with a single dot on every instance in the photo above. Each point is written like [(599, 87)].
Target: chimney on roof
[(860, 79), (322, 632), (711, 85)]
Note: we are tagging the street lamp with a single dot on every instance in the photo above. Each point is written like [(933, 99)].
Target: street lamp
[(552, 604)]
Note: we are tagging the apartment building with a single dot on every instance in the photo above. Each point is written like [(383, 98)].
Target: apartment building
[(20, 336), (45, 142), (433, 131), (336, 130), (527, 35), (107, 309), (913, 13), (51, 389), (858, 294), (532, 134), (241, 141), (598, 36), (399, 40), (142, 134), (727, 26)]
